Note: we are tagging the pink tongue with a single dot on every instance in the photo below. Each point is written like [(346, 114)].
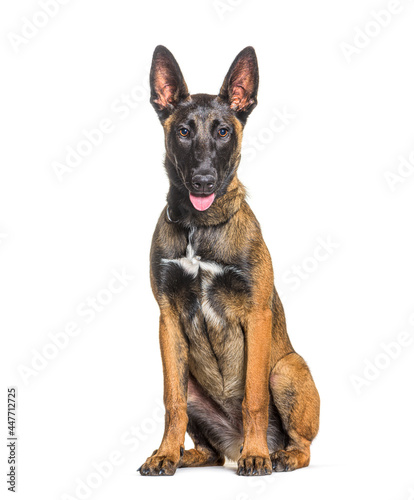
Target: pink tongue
[(201, 203)]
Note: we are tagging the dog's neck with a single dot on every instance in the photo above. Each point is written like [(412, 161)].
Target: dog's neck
[(223, 208)]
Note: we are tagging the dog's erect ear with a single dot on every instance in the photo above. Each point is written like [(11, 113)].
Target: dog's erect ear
[(167, 84), (240, 86)]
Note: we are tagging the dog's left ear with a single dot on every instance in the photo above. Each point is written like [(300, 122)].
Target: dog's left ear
[(167, 83), (240, 86)]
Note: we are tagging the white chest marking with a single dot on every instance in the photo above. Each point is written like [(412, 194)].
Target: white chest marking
[(192, 263)]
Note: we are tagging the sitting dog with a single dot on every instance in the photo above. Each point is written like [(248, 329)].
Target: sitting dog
[(232, 379)]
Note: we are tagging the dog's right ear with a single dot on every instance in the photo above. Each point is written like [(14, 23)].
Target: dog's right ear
[(168, 87)]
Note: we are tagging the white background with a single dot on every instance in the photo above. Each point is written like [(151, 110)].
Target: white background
[(319, 175)]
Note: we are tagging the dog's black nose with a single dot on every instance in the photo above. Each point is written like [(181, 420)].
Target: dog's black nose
[(203, 184)]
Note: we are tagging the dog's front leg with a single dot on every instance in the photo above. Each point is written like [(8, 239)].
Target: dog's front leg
[(255, 458), (174, 353)]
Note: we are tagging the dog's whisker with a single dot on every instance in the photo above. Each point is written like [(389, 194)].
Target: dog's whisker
[(180, 172)]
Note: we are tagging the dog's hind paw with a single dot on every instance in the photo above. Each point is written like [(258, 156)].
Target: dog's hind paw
[(284, 461)]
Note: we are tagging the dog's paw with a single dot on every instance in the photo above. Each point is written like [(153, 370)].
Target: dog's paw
[(159, 465), (254, 466), (284, 461)]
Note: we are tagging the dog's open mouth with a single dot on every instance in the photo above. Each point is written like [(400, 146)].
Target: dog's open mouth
[(201, 203)]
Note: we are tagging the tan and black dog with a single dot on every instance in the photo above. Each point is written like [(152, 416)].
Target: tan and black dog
[(232, 379)]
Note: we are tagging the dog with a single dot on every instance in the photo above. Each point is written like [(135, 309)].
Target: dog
[(232, 379)]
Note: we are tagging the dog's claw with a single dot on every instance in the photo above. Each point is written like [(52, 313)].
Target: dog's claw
[(158, 466), (254, 466)]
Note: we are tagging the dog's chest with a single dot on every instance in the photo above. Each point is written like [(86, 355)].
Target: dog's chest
[(197, 278), (211, 297), (191, 263)]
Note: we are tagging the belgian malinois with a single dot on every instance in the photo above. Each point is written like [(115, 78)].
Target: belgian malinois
[(232, 379)]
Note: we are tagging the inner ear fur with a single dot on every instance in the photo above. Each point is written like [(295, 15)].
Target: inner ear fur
[(241, 83), (168, 87)]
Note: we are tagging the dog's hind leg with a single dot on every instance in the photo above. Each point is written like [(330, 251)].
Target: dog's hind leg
[(297, 401), (205, 424), (203, 453)]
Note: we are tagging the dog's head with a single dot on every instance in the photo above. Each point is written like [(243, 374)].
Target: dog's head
[(203, 133)]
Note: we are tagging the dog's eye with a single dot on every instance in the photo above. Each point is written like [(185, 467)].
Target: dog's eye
[(223, 132), (184, 132)]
